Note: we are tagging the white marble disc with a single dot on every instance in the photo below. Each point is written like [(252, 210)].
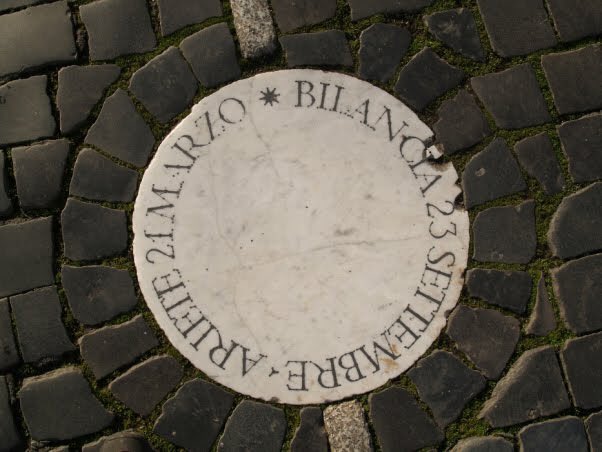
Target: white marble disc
[(295, 240)]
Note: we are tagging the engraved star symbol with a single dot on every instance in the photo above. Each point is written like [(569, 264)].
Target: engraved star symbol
[(269, 96)]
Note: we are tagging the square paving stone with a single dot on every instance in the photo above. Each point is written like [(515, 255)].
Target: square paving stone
[(26, 258), (93, 232), (507, 289), (11, 439), (165, 85), (125, 441), (346, 427), (25, 112), (99, 178), (576, 19), (458, 30), (40, 330), (39, 171), (212, 55), (26, 43), (513, 97), (382, 46), (536, 155), (581, 142), (6, 205), (593, 425), (9, 356), (176, 14), (323, 48), (566, 434), (483, 444), (292, 14), (517, 27), (117, 27), (311, 434), (583, 369), (365, 8), (254, 27)]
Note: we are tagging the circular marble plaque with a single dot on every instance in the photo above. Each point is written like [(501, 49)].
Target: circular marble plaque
[(295, 240)]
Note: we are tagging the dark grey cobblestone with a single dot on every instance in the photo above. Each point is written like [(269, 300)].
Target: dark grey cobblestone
[(382, 46), (593, 426), (365, 8), (536, 155), (542, 320), (6, 205), (311, 435), (11, 439), (566, 434), (9, 356), (126, 441), (583, 369), (293, 14), (508, 289), (484, 444), (457, 29), (576, 19), (176, 14), (581, 141), (326, 48)]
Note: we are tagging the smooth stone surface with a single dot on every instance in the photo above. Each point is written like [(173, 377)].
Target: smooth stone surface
[(365, 8), (400, 424), (446, 385), (323, 48), (382, 46), (97, 294), (575, 78), (311, 434), (346, 189), (117, 28), (485, 336), (458, 30), (513, 97), (543, 319), (9, 4), (517, 27), (483, 444), (165, 85), (9, 356), (6, 205), (346, 427), (536, 155), (143, 386), (79, 90), (593, 425), (505, 234), (126, 441), (583, 370), (581, 142), (576, 19), (26, 258), (107, 349), (176, 14), (121, 132), (531, 389), (25, 112), (426, 77), (59, 405), (92, 232), (292, 14), (254, 27), (565, 434), (39, 327), (193, 418), (254, 427), (39, 172), (576, 224), (510, 290), (25, 42), (212, 55), (11, 439), (461, 124)]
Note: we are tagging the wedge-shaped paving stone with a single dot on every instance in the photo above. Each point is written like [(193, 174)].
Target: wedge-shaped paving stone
[(575, 78), (576, 19), (508, 289), (254, 27), (566, 434), (400, 423), (512, 97), (485, 336), (143, 386), (531, 389), (117, 28), (536, 156), (193, 418), (26, 258), (92, 232), (461, 123), (98, 178), (59, 405), (97, 294), (254, 426), (25, 112), (583, 370), (324, 48), (346, 427), (121, 131), (457, 29), (39, 172), (79, 89), (292, 14), (446, 385), (382, 46), (212, 55), (126, 441), (10, 4), (576, 225), (517, 27), (9, 356), (175, 14), (26, 43), (593, 425), (11, 439), (425, 78), (109, 348), (542, 320), (311, 434), (6, 205), (40, 330), (483, 444), (165, 85), (581, 141), (365, 8), (505, 234)]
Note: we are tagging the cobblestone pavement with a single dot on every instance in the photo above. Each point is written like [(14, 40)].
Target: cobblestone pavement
[(513, 91)]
